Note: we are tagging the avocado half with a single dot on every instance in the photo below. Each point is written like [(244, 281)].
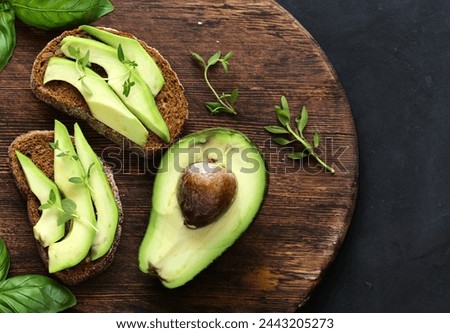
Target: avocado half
[(175, 252)]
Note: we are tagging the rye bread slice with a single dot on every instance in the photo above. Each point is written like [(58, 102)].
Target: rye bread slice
[(36, 145), (171, 100)]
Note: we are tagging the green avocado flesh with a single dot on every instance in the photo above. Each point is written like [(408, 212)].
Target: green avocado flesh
[(139, 100), (178, 253), (147, 67), (80, 183), (76, 244), (102, 196), (105, 105), (46, 230)]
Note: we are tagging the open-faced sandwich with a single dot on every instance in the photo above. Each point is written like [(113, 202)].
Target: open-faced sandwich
[(72, 200), (124, 89)]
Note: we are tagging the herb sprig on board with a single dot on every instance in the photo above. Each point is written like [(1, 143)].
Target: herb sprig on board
[(225, 101), (295, 134)]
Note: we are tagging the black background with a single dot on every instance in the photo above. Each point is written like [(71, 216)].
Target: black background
[(393, 59)]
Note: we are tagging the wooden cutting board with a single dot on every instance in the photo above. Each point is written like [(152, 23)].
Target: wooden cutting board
[(275, 265)]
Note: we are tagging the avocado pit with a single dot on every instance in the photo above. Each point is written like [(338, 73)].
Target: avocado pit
[(205, 193)]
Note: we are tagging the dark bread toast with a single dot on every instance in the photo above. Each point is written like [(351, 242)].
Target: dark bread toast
[(36, 145), (171, 100)]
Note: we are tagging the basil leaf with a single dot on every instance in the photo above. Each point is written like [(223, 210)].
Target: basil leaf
[(34, 293), (60, 14), (4, 261), (7, 34)]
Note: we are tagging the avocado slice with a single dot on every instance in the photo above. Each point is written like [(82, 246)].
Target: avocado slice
[(103, 103), (46, 230), (175, 251), (139, 100), (133, 50), (75, 246), (102, 196)]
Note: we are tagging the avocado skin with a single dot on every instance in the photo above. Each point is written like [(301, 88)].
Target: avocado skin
[(170, 250), (102, 195)]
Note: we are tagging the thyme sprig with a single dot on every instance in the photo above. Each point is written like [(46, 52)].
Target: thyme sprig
[(83, 61), (225, 101), (67, 208), (83, 180), (128, 84), (63, 153), (284, 118)]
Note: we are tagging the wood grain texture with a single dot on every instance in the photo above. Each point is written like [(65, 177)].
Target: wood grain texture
[(275, 265)]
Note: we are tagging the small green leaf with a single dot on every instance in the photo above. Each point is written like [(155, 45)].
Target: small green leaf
[(68, 206), (282, 141), (302, 121), (54, 145), (199, 58), (52, 197), (47, 205), (234, 96), (276, 129), (74, 52), (84, 62), (75, 157), (63, 218), (120, 54), (228, 56), (76, 180), (62, 154), (214, 107), (214, 58), (284, 104), (4, 261), (224, 66), (283, 116), (316, 139), (88, 174), (297, 156)]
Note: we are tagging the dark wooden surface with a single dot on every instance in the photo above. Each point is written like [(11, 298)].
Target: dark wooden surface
[(279, 260)]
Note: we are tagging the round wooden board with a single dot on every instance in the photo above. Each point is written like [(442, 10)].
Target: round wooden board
[(275, 265)]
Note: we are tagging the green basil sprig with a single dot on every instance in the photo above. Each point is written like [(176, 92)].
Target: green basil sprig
[(7, 33), (60, 14), (32, 292)]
